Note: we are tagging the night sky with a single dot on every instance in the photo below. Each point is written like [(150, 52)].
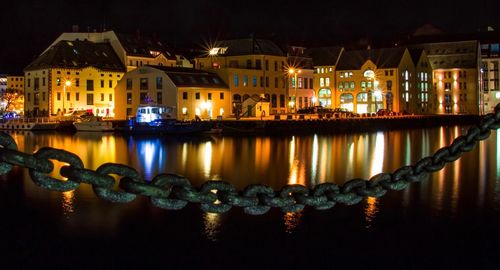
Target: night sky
[(29, 26)]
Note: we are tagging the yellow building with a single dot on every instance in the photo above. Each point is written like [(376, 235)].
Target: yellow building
[(455, 77), (188, 92), (73, 75), (252, 68), (373, 79), (424, 94), (325, 60)]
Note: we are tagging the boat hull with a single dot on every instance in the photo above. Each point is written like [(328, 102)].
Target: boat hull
[(169, 128)]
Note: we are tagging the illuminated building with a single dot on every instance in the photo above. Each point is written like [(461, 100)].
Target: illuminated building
[(73, 75), (189, 92), (373, 79), (251, 68), (301, 78), (325, 60), (424, 101), (490, 72), (455, 66)]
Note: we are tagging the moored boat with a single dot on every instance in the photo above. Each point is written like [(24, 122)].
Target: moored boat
[(94, 123), (30, 124), (156, 120)]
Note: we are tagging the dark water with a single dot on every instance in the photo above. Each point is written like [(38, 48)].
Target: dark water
[(451, 220)]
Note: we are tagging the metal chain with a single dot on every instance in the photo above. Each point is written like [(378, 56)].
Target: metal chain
[(173, 192)]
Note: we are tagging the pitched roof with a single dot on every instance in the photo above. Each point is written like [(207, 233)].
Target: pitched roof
[(446, 55), (382, 58), (415, 54), (189, 77), (136, 45), (78, 54), (324, 56), (250, 46)]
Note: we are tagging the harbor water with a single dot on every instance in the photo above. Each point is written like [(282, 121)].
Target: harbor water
[(450, 220)]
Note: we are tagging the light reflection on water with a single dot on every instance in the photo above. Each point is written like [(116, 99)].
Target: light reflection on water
[(277, 161)]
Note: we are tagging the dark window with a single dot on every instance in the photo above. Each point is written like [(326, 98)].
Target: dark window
[(68, 95), (102, 97), (37, 84), (221, 95), (110, 84), (267, 81), (58, 81), (102, 83), (90, 86), (258, 64), (110, 97), (43, 96), (282, 100), (58, 96), (43, 81), (129, 84), (267, 64), (209, 96), (77, 96), (90, 99), (77, 82), (249, 64), (197, 95), (143, 98), (129, 111), (184, 95), (159, 83), (144, 84)]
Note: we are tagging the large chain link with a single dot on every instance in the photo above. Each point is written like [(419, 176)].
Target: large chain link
[(173, 192)]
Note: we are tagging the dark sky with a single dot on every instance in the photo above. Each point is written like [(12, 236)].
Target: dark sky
[(29, 26)]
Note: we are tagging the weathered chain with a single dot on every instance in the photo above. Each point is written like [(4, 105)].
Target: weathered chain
[(170, 191)]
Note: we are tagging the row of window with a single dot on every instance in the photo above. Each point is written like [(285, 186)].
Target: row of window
[(306, 83), (78, 73), (448, 86), (262, 80), (144, 83), (250, 65), (449, 74), (90, 97), (145, 98), (89, 85)]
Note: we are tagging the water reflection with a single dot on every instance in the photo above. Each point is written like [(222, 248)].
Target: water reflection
[(292, 221), (371, 210), (212, 224), (67, 202), (277, 161)]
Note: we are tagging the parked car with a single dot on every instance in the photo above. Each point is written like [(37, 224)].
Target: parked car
[(385, 112)]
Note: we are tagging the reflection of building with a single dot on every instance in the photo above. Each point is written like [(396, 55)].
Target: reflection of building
[(188, 91), (455, 68), (372, 79), (325, 60), (251, 68), (73, 75), (301, 78)]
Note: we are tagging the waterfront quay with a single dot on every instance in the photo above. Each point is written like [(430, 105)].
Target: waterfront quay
[(309, 124)]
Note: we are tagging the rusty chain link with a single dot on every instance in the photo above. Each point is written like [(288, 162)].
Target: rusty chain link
[(173, 192)]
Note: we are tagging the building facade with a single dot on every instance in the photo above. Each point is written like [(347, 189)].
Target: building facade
[(324, 60), (456, 75), (300, 79), (187, 92), (73, 75), (252, 68), (373, 79)]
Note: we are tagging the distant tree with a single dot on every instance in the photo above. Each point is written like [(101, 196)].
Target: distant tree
[(10, 98)]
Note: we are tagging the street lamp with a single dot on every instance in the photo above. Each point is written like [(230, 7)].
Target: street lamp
[(67, 83), (294, 72)]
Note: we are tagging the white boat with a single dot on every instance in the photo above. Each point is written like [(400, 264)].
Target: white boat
[(30, 124), (94, 123)]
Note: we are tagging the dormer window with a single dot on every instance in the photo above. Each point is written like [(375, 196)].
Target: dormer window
[(154, 53)]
